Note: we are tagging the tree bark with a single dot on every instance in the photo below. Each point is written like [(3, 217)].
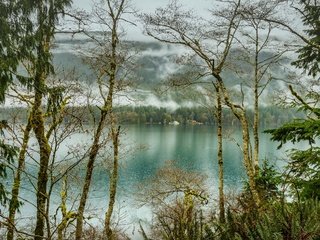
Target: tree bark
[(38, 125), (256, 106), (220, 157), (110, 70), (113, 183), (14, 203), (89, 170), (45, 150), (256, 130), (240, 113)]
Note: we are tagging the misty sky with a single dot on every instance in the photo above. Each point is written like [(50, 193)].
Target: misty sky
[(149, 6), (200, 7)]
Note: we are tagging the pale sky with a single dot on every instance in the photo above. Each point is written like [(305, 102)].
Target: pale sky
[(149, 6), (200, 8)]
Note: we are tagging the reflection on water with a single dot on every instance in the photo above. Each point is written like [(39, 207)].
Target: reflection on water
[(147, 148), (190, 147)]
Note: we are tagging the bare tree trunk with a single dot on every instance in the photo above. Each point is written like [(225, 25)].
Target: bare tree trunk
[(113, 183), (256, 107), (14, 203), (66, 215), (42, 177), (240, 113), (63, 206), (110, 70), (57, 117), (247, 159), (89, 170), (164, 27), (114, 133), (256, 131), (220, 157), (92, 157), (38, 127)]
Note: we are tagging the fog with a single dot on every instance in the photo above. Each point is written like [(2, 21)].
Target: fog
[(156, 62)]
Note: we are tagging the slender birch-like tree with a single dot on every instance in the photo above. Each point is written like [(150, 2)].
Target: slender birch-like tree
[(107, 60), (258, 53), (173, 25)]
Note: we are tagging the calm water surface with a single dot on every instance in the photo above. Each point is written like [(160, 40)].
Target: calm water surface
[(147, 149)]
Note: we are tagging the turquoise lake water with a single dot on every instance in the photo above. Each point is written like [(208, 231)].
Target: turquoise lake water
[(147, 148)]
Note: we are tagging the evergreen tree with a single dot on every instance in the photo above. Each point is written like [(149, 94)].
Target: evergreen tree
[(304, 165), (15, 45), (27, 31), (7, 156), (22, 35), (309, 55)]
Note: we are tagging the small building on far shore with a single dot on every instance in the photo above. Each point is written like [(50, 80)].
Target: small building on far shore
[(174, 123)]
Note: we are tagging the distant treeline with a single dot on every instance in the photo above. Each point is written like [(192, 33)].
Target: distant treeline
[(197, 115), (269, 116)]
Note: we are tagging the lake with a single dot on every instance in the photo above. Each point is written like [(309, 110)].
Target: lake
[(146, 149)]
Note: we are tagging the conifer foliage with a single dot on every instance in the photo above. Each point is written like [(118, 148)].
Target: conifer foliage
[(7, 156), (304, 165), (309, 55)]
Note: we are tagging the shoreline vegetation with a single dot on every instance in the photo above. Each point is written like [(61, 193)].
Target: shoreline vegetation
[(151, 115)]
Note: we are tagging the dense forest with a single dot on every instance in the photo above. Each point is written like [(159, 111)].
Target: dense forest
[(251, 65)]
